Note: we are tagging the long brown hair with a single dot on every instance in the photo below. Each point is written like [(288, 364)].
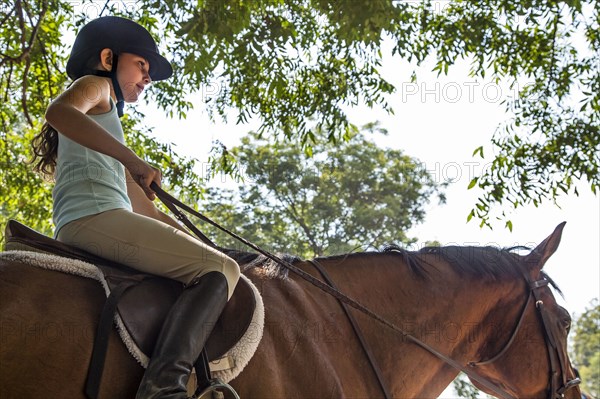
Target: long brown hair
[(45, 143), (45, 148)]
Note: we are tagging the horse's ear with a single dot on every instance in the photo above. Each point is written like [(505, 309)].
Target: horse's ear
[(538, 257)]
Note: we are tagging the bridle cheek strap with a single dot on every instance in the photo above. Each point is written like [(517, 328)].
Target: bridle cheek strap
[(556, 356)]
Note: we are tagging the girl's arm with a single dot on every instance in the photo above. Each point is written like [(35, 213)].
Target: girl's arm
[(67, 114), (143, 206)]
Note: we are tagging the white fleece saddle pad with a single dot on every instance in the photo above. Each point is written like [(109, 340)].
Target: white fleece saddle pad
[(226, 368)]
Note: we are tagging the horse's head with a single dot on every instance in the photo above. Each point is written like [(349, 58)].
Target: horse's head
[(535, 362)]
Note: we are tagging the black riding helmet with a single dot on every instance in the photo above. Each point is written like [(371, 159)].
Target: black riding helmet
[(121, 35)]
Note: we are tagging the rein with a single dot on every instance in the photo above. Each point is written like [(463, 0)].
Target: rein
[(172, 203), (361, 339)]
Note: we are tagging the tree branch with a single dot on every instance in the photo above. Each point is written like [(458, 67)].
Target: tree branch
[(105, 7), (293, 213), (26, 47), (552, 64), (36, 28), (27, 51), (48, 60), (8, 78), (24, 92), (21, 22), (8, 14)]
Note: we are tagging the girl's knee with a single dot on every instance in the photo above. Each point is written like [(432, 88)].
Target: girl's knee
[(231, 269)]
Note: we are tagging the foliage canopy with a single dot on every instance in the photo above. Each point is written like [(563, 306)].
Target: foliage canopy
[(349, 196), (586, 348), (298, 66)]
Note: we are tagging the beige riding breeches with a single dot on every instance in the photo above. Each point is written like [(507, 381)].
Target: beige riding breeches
[(148, 245)]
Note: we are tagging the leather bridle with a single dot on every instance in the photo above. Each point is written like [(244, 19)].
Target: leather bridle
[(559, 383), (559, 364)]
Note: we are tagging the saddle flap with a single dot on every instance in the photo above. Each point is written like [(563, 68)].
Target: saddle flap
[(144, 307), (234, 321)]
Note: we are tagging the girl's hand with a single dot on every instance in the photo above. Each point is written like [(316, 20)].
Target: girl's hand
[(144, 174)]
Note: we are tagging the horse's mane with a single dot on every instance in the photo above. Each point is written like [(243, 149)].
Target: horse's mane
[(269, 268), (486, 262), (480, 262)]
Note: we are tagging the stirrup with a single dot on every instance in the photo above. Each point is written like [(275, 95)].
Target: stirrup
[(216, 389)]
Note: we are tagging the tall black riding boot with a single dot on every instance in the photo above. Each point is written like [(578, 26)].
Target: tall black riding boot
[(182, 338)]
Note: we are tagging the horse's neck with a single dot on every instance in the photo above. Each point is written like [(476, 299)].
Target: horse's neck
[(449, 313)]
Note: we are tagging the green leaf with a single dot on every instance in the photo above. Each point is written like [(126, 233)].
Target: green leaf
[(472, 183), (471, 215), (478, 150)]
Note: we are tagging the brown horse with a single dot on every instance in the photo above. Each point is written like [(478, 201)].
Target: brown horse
[(471, 304)]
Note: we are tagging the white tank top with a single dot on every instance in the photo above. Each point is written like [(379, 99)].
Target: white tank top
[(86, 181)]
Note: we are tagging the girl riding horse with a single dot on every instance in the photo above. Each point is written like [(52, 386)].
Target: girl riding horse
[(103, 200)]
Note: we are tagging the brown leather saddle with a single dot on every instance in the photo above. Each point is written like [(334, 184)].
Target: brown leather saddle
[(147, 300)]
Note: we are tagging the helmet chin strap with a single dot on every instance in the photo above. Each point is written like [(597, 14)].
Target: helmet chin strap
[(112, 74)]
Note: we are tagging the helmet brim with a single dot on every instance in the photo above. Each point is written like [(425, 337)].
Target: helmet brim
[(160, 67)]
